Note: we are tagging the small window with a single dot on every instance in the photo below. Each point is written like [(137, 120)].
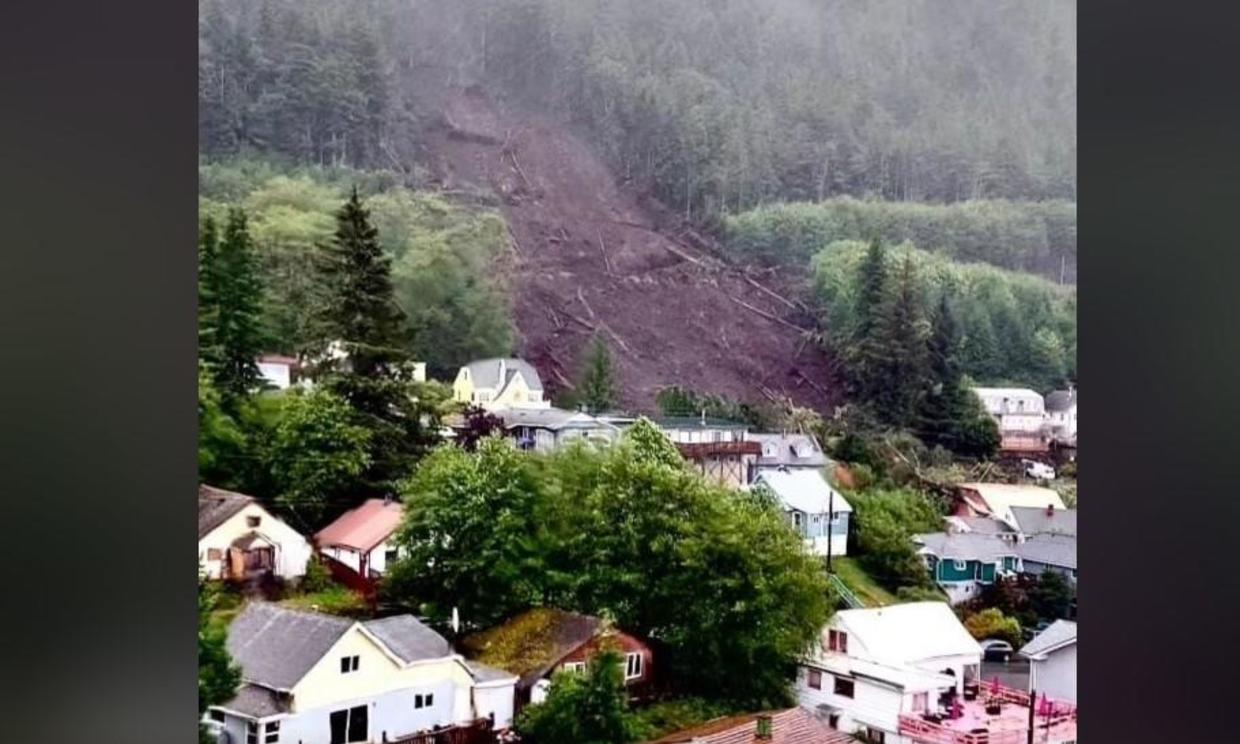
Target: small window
[(423, 701), (349, 664), (253, 520), (215, 554), (920, 700), (430, 700), (814, 679), (575, 666), (843, 687), (251, 732), (271, 732), (960, 565), (632, 665), (876, 736), (390, 556), (833, 720), (837, 640)]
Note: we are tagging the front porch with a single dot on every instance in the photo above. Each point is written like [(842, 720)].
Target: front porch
[(978, 721)]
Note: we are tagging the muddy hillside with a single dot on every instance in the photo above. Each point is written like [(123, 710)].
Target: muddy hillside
[(591, 255)]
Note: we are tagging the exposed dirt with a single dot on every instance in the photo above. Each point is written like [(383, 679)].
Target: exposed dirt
[(591, 255)]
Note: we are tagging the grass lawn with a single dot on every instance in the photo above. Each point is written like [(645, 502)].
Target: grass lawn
[(856, 579), (335, 600)]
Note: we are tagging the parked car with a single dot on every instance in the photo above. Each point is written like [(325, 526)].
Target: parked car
[(996, 650), (1038, 470)]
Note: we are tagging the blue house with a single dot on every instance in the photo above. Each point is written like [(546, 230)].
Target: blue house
[(817, 512), (963, 562)]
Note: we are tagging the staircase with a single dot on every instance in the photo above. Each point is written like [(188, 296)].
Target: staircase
[(845, 593)]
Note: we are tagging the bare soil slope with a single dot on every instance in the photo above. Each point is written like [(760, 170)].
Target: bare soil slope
[(592, 256)]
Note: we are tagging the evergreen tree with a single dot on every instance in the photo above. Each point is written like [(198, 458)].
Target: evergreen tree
[(237, 336), (902, 340), (597, 391), (867, 355), (218, 676), (362, 315), (948, 413), (208, 290)]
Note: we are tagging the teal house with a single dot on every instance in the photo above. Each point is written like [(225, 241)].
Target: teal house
[(963, 562)]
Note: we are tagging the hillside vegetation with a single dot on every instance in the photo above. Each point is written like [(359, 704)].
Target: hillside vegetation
[(1037, 237)]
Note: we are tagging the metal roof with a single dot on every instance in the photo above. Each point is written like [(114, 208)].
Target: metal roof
[(803, 490), (1057, 635), (362, 528)]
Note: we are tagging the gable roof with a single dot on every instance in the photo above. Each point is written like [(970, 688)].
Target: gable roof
[(553, 419), (803, 490), (798, 450), (257, 702), (408, 638), (1008, 392), (531, 643), (1035, 521), (980, 525), (275, 647), (909, 633), (1057, 635), (215, 506), (997, 499), (965, 546), (1053, 550), (791, 726), (1060, 400), (485, 373), (364, 527)]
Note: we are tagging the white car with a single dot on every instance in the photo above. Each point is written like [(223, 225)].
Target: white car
[(1039, 470)]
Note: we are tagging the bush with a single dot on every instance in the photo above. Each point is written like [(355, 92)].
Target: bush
[(317, 577), (991, 623)]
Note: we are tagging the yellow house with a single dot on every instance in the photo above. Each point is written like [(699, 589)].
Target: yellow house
[(319, 679), (499, 383)]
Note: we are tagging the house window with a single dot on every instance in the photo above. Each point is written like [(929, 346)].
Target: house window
[(251, 732), (424, 701), (876, 736), (837, 640), (390, 556), (351, 725), (814, 679), (843, 687), (920, 700), (959, 565), (632, 666), (215, 554), (833, 720), (349, 664), (271, 733), (797, 518), (575, 666), (253, 521)]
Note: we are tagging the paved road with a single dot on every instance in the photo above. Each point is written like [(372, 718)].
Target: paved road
[(1015, 673)]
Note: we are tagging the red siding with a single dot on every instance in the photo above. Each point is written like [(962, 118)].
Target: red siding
[(627, 643)]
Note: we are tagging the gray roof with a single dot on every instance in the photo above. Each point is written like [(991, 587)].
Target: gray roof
[(553, 419), (215, 506), (1057, 634), (1036, 521), (985, 525), (484, 673), (793, 450), (1060, 400), (408, 638), (257, 702), (275, 647), (1052, 550), (965, 546), (697, 422), (485, 373)]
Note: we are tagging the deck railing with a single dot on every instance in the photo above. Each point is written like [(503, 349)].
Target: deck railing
[(1060, 725)]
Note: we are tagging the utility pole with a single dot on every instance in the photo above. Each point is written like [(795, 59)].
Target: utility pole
[(1033, 696), (830, 517)]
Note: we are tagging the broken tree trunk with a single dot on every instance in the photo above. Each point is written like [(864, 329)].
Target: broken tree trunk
[(767, 315), (602, 247)]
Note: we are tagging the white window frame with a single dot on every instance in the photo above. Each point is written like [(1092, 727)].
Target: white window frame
[(959, 565), (574, 666), (251, 732), (271, 732), (634, 665)]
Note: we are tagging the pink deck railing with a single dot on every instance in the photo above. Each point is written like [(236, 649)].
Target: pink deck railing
[(1060, 725)]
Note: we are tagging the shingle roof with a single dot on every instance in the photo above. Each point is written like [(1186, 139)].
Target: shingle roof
[(1058, 634), (215, 506), (1053, 550), (485, 373), (483, 673), (792, 726), (408, 638), (257, 702), (531, 643), (1036, 521), (275, 647), (364, 527), (550, 418), (804, 490), (982, 525), (966, 546), (1060, 400), (799, 450)]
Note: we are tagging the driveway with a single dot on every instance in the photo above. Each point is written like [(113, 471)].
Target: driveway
[(1015, 673)]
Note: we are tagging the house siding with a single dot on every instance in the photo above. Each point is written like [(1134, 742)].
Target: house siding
[(290, 557), (1056, 676), (872, 704), (626, 644)]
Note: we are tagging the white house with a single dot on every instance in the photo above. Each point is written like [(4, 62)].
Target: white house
[(361, 538), (875, 665), (791, 451), (1061, 416), (499, 383), (277, 370), (1052, 661), (817, 512), (238, 539), (311, 678), (1020, 414), (547, 429)]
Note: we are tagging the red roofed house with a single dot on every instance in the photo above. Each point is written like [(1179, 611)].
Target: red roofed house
[(792, 726), (362, 538)]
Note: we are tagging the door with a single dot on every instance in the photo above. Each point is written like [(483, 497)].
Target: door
[(350, 725)]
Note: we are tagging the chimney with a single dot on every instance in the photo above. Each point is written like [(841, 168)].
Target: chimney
[(763, 732), (1050, 510), (503, 374)]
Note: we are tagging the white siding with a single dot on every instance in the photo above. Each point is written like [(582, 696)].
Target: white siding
[(292, 550), (391, 713), (278, 374), (497, 700), (872, 704), (376, 560), (1055, 677)]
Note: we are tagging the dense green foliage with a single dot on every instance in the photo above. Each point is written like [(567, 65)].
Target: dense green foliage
[(719, 105), (218, 676), (992, 623), (628, 532), (583, 708), (885, 521), (443, 255), (1044, 598), (1036, 237), (230, 300), (598, 388), (1014, 328)]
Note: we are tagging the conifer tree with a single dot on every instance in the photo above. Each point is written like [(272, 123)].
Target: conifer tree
[(867, 356), (598, 383), (235, 331), (942, 404), (902, 336), (208, 290)]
